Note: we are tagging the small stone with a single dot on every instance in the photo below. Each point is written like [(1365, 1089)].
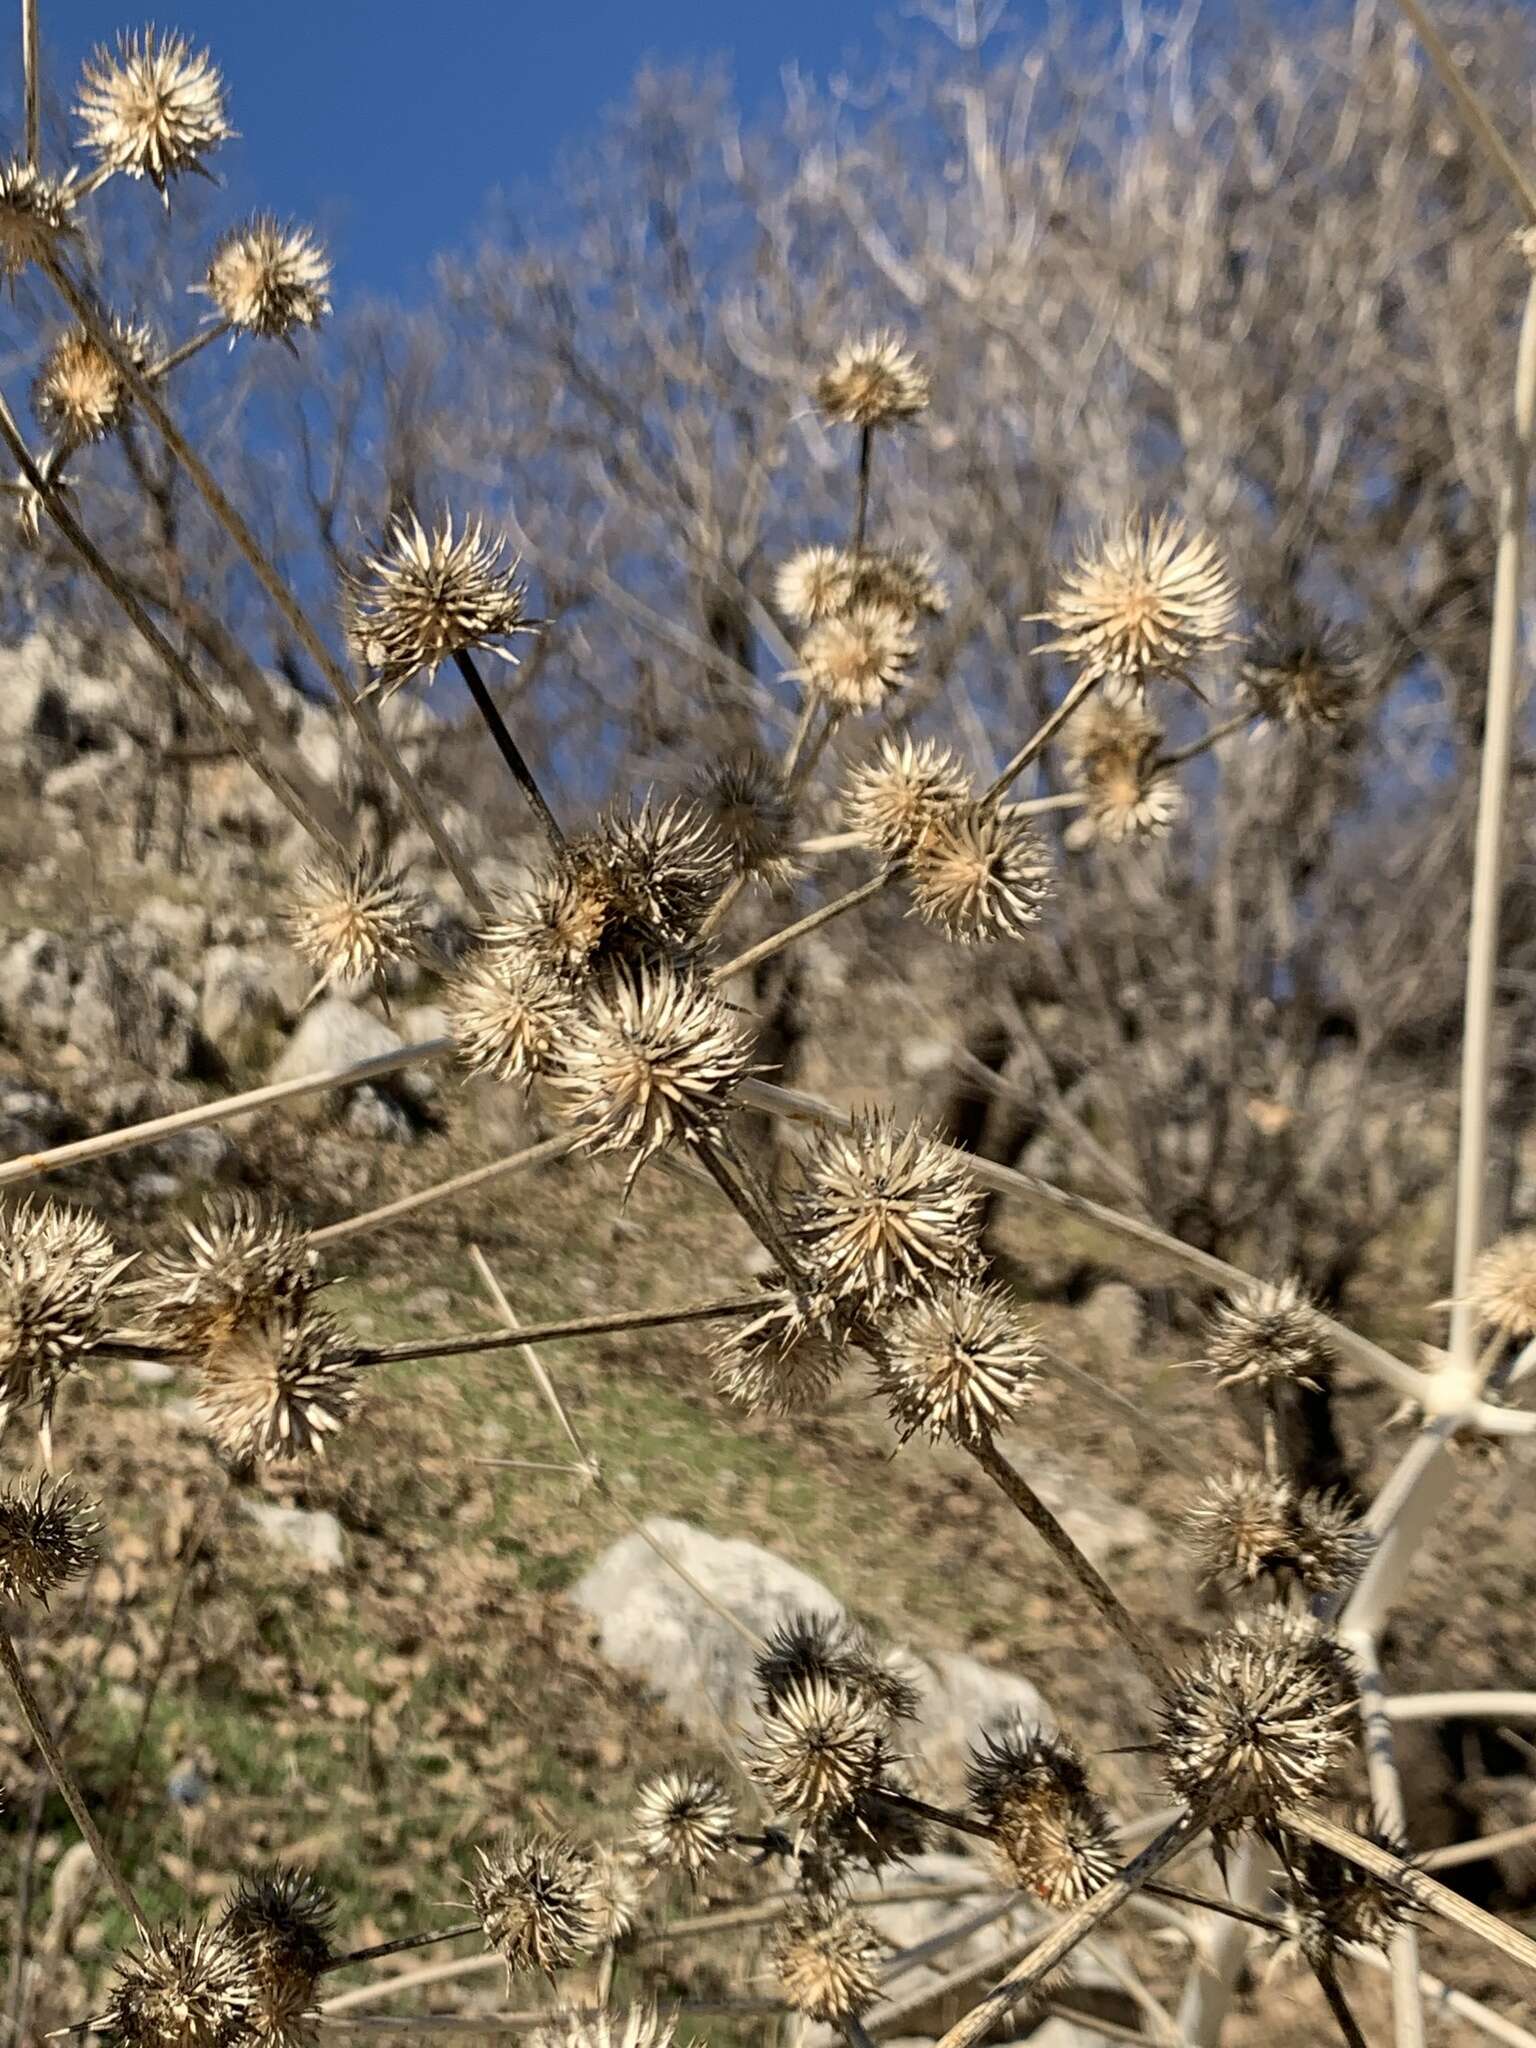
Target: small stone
[(312, 1535)]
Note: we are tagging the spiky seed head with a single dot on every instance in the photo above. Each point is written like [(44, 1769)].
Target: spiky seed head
[(1300, 671), (284, 1920), (618, 1884), (636, 2026), (874, 1832), (36, 214), (1250, 1729), (508, 1017), (907, 578), (80, 394), (683, 1820), (784, 1360), (1332, 1546), (651, 1061), (858, 658), (560, 926), (814, 584), (1052, 1835), (425, 596), (825, 1961), (152, 108), (1146, 598), (1242, 1526), (748, 806), (1337, 1904), (667, 864), (894, 800), (979, 873), (1113, 758), (872, 381), (268, 278), (822, 1747), (241, 1259), (959, 1365), (1268, 1335), (886, 1211), (353, 921), (537, 1901), (46, 1539), (58, 1273), (807, 1647), (1502, 1285), (1294, 1631), (280, 1383), (182, 1988)]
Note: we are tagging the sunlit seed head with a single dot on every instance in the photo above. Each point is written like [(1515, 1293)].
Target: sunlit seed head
[(683, 1820), (786, 1359), (508, 1017), (807, 1647), (619, 1879), (1268, 1335), (1147, 598), (873, 380), (887, 1211), (1300, 671), (267, 279), (37, 213), (535, 1897), (1251, 1729), (979, 873), (182, 1988), (47, 1538), (748, 806), (1502, 1285), (354, 921), (895, 799), (821, 1747), (825, 1961), (1113, 758), (1051, 1833), (815, 583), (1242, 1526), (152, 108), (80, 394), (279, 1384), (857, 659), (241, 1259), (1331, 1543), (563, 924), (958, 1365), (635, 2026), (428, 595)]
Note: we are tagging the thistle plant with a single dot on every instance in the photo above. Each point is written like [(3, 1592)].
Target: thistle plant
[(601, 985)]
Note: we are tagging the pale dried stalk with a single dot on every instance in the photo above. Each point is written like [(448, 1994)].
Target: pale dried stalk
[(1480, 1850), (545, 1333), (1456, 2004), (30, 69), (1469, 1706), (1392, 1814), (776, 942), (1483, 131), (444, 1190), (1042, 736)]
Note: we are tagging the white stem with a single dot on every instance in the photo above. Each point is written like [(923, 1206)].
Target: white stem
[(1462, 1706), (1212, 1982), (1387, 1798)]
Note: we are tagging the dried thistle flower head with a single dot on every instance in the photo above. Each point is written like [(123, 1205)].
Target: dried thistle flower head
[(240, 1261), (815, 583), (637, 2026), (58, 1271), (535, 1898), (1252, 1729), (907, 578), (872, 381), (683, 1820), (1267, 1336), (425, 596), (1052, 1834), (283, 1920), (152, 108), (562, 925), (46, 1539), (508, 1016), (618, 1882), (825, 1961), (748, 806), (979, 873), (1332, 1545), (886, 1210), (1113, 757), (1300, 671), (857, 658), (279, 1383), (1294, 1631), (894, 800), (355, 921), (1337, 1905), (959, 1365), (80, 394), (36, 214), (822, 1747), (181, 1988), (267, 278), (1146, 598), (1242, 1526), (807, 1648), (652, 1061), (1502, 1285), (667, 866), (786, 1359)]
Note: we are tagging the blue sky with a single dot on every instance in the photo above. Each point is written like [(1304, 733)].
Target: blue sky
[(388, 122)]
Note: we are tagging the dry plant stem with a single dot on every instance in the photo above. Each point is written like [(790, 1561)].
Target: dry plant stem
[(1480, 1849), (805, 766), (1468, 1706), (1488, 865), (192, 346), (1387, 1801), (86, 311), (445, 1190), (751, 1201), (799, 738), (1044, 1523), (401, 1945), (723, 905), (1435, 1897), (1054, 1947), (508, 748), (493, 2023), (1041, 738), (294, 801), (1211, 738), (30, 59), (1456, 2005), (861, 501), (1328, 1982), (545, 1333), (1473, 112), (63, 1777), (776, 942)]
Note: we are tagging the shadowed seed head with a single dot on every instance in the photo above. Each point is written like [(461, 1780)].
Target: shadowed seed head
[(1053, 1836), (79, 393), (36, 214), (1113, 759), (857, 658), (683, 1821), (825, 1959), (872, 381), (959, 1365), (47, 1538), (748, 807), (1147, 598), (283, 1919), (428, 595), (893, 801), (822, 1746), (1242, 1526), (906, 578), (353, 921), (536, 1899), (240, 1261), (58, 1272), (978, 873), (783, 1360), (886, 1211), (1337, 1905), (1332, 1544), (267, 279), (1268, 1335), (182, 1988), (279, 1384), (1299, 671), (152, 108), (808, 1647)]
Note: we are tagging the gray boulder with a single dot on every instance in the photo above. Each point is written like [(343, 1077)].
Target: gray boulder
[(239, 1010), (336, 1033), (36, 984), (127, 1005)]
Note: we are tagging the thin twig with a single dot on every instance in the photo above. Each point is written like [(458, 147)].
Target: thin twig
[(1211, 737), (802, 928), (1486, 135), (1042, 736), (545, 1333), (509, 750), (31, 65), (194, 345), (444, 1190), (1391, 1811)]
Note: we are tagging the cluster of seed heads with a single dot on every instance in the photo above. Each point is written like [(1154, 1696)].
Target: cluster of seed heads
[(1051, 1834), (1336, 1905), (1114, 757), (825, 1959), (1269, 1336), (1249, 1526)]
